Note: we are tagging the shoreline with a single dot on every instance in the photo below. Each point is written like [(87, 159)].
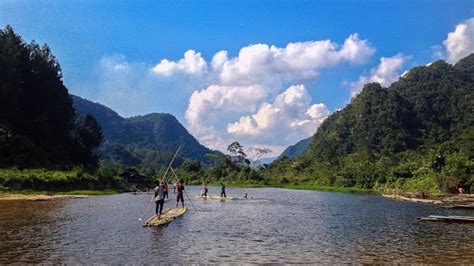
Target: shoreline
[(31, 195), (442, 200), (299, 187), (38, 197)]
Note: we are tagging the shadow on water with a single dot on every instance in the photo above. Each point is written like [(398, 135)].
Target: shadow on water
[(276, 226)]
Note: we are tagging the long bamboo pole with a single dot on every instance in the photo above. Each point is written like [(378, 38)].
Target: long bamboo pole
[(163, 178)]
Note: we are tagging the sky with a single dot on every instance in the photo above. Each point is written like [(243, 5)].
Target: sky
[(264, 73)]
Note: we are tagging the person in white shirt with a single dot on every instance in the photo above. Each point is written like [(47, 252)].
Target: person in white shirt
[(159, 198)]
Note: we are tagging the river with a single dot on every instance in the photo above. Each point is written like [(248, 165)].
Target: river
[(277, 226)]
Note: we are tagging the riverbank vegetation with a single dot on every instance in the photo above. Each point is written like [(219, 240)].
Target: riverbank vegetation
[(44, 144), (416, 135)]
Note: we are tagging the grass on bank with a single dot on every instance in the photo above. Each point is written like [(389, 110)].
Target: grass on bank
[(307, 186), (81, 192), (56, 182)]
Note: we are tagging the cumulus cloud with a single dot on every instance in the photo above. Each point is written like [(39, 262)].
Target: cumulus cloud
[(215, 102), (298, 61), (116, 81), (289, 118), (192, 63), (460, 43), (250, 97), (385, 73), (133, 88), (255, 76)]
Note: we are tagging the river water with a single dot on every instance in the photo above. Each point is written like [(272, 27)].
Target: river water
[(277, 226)]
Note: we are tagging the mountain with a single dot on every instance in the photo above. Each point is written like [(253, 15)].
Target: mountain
[(417, 133), (296, 149), (267, 160), (147, 142)]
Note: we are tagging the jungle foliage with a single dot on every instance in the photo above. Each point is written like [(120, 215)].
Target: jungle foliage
[(416, 135)]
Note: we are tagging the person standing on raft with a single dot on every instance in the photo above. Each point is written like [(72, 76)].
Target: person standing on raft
[(165, 190), (159, 198), (223, 191), (205, 190), (174, 186), (180, 190)]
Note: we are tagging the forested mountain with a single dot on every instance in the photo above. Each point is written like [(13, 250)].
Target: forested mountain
[(147, 142), (418, 133), (296, 149), (38, 124)]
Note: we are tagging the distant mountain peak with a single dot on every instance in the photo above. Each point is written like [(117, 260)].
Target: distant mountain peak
[(133, 139)]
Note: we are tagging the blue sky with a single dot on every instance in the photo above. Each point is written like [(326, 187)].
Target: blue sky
[(108, 49)]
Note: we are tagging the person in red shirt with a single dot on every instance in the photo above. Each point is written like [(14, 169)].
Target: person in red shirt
[(165, 190)]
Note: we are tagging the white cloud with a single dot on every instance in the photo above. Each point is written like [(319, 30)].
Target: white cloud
[(460, 42), (246, 88), (385, 73), (298, 61), (192, 63), (207, 106), (240, 84), (356, 50), (288, 119), (117, 79), (132, 88)]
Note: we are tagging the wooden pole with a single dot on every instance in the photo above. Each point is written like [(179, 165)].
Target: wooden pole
[(169, 166), (163, 178)]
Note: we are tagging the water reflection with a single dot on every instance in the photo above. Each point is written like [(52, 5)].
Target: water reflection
[(277, 226)]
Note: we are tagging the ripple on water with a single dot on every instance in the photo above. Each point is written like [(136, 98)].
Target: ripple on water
[(281, 226)]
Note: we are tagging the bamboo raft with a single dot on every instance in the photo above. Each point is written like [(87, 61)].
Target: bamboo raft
[(167, 217), (461, 206), (439, 218), (221, 198), (402, 198)]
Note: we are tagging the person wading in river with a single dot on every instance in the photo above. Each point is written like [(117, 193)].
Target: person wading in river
[(180, 190), (159, 198)]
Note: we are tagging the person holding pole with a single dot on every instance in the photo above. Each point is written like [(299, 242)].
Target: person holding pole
[(180, 190), (159, 198)]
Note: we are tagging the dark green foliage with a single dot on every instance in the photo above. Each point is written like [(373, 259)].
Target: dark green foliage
[(415, 135), (49, 180), (296, 149), (37, 118), (191, 166)]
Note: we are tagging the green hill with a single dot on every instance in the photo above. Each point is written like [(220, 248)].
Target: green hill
[(146, 142), (417, 134), (297, 149)]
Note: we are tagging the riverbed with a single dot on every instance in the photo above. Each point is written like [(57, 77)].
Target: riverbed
[(276, 226)]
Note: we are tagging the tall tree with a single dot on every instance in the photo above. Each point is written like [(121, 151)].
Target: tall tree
[(37, 118)]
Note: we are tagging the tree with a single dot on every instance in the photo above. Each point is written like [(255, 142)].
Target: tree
[(258, 153), (90, 133), (236, 149), (37, 119), (191, 165)]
